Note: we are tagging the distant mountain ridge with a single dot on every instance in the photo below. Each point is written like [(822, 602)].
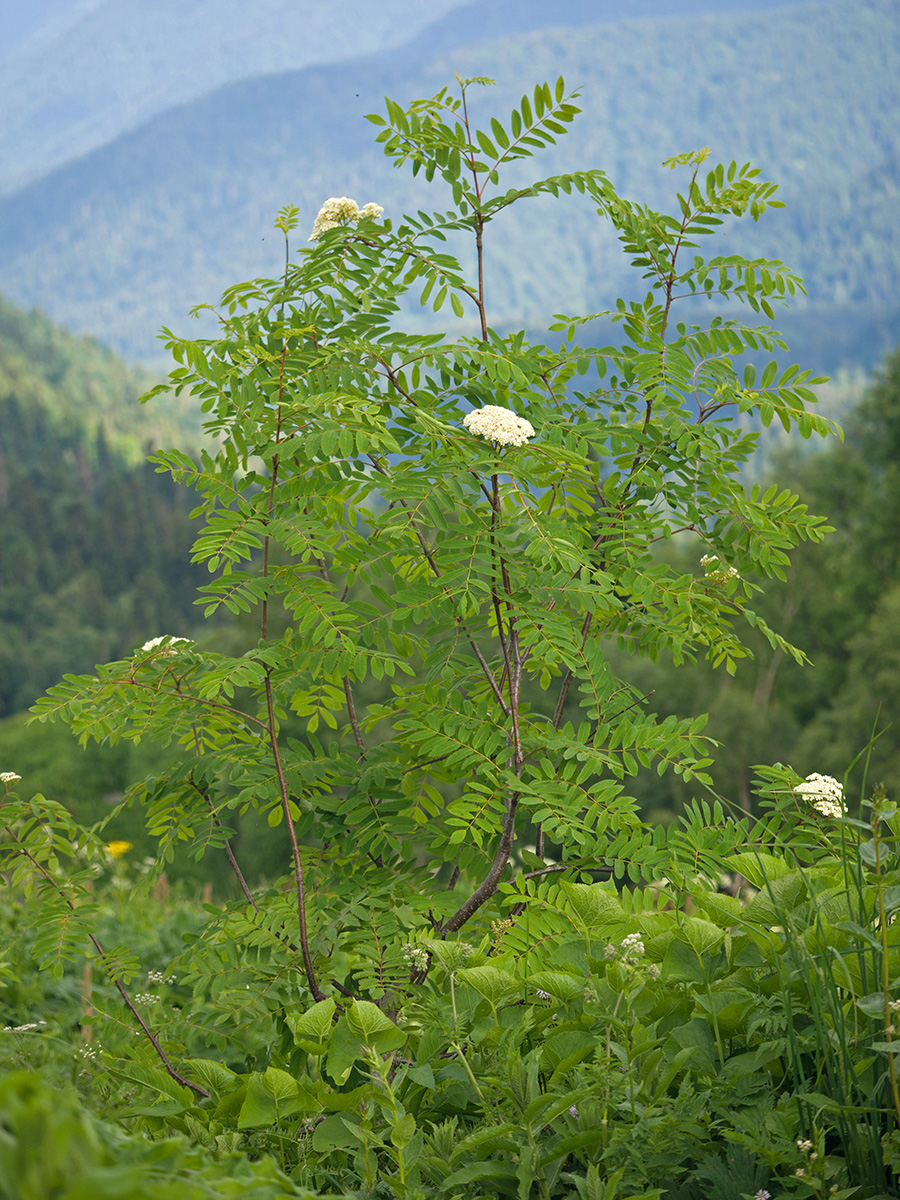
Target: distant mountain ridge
[(79, 73), (125, 61), (127, 238)]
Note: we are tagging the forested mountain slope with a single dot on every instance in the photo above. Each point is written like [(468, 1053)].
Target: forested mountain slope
[(76, 379), (79, 73), (129, 237), (94, 545), (124, 61)]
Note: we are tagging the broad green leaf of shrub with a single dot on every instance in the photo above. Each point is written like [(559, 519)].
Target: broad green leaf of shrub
[(558, 984), (567, 1048), (682, 964), (721, 909), (422, 1075), (758, 867), (155, 1080), (333, 1134), (213, 1075), (497, 986), (872, 1005), (403, 1132), (370, 1024), (593, 904), (731, 1009), (312, 1029), (703, 936), (492, 1169), (696, 1035), (270, 1095), (743, 1065), (362, 1025), (776, 899)]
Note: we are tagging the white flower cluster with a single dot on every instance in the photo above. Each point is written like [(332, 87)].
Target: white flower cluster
[(714, 573), (90, 1053), (498, 425), (824, 793), (23, 1028), (339, 209), (632, 946), (171, 646), (158, 977), (145, 998), (417, 957), (9, 777)]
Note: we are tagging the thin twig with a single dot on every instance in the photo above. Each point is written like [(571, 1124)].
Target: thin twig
[(194, 1087), (314, 988), (488, 673)]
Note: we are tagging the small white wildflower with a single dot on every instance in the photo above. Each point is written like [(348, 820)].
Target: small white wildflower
[(713, 572), (543, 995), (89, 1053), (824, 793), (29, 1028), (800, 1173), (632, 946), (894, 1006), (9, 777), (828, 809), (145, 998), (573, 1111), (159, 977), (653, 971), (610, 952), (762, 1194), (498, 425), (804, 1145), (170, 647), (337, 210), (417, 957)]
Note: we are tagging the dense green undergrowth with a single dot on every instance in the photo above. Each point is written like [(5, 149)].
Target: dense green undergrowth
[(671, 1040)]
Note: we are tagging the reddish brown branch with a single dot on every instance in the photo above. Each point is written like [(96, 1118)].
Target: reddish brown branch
[(148, 1033)]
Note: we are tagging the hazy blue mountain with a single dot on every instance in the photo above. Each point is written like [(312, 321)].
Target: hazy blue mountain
[(81, 73), (78, 73), (130, 236), (23, 27)]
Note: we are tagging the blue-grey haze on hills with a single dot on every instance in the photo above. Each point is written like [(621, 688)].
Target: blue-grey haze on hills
[(78, 73), (166, 215)]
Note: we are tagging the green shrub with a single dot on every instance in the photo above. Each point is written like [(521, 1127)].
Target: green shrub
[(438, 539)]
